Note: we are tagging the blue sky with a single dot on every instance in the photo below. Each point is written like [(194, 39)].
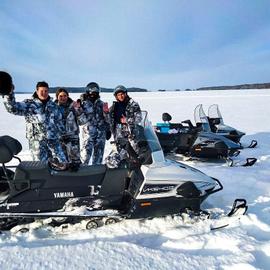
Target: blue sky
[(153, 44)]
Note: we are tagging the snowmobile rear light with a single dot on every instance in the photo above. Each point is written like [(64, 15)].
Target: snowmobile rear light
[(146, 204)]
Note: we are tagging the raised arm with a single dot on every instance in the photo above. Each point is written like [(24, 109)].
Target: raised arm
[(23, 108)]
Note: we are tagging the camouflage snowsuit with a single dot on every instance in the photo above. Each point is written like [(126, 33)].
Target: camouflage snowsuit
[(44, 126), (94, 131), (70, 140), (124, 132)]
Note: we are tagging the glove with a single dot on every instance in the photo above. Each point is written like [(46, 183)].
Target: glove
[(65, 139), (108, 135)]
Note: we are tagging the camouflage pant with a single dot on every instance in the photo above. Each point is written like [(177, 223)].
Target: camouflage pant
[(71, 148), (122, 138), (46, 149), (93, 145)]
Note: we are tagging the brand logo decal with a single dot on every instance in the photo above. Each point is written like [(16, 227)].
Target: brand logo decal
[(8, 205), (63, 194), (157, 189)]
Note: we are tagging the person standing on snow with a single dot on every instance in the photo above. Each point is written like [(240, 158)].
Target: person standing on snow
[(125, 116), (96, 130), (44, 124), (73, 116)]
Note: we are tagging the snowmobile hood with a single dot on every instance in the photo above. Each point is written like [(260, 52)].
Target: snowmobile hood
[(226, 129), (206, 136), (174, 172)]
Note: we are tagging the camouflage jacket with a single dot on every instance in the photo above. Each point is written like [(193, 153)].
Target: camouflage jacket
[(43, 120), (95, 115), (132, 113), (72, 118)]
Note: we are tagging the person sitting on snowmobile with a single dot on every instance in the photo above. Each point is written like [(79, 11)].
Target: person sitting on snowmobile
[(73, 116), (44, 124), (125, 115), (96, 130)]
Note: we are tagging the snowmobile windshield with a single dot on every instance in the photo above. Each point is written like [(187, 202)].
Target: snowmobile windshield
[(214, 113), (151, 138), (201, 119)]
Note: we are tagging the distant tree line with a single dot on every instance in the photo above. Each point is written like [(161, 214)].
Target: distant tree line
[(240, 86), (136, 89)]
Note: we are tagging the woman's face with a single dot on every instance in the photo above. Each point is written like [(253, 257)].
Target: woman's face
[(62, 98), (121, 96)]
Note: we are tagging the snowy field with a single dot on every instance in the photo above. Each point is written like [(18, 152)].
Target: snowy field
[(168, 243)]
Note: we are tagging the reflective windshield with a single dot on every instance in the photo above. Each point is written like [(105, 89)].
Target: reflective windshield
[(150, 134), (214, 112), (201, 118), (152, 140)]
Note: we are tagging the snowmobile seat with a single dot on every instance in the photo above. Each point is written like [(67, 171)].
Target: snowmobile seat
[(176, 126), (85, 170), (8, 148), (27, 170)]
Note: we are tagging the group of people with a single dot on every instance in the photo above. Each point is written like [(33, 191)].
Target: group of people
[(53, 126)]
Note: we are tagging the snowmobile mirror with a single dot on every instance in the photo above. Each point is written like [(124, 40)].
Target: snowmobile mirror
[(6, 84), (166, 117)]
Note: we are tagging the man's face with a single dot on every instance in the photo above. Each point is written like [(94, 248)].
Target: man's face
[(121, 96), (42, 92), (62, 98)]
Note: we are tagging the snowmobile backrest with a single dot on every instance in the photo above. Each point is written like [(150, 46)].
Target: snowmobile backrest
[(166, 117), (8, 148)]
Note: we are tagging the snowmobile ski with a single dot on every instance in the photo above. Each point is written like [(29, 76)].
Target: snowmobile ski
[(252, 144), (248, 163), (239, 209)]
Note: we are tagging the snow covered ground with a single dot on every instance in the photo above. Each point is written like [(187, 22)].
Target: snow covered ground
[(168, 243)]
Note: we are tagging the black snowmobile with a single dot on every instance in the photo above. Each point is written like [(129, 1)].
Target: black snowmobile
[(210, 138), (144, 186)]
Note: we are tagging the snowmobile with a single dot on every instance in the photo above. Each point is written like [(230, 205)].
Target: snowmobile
[(143, 186), (210, 138), (218, 126)]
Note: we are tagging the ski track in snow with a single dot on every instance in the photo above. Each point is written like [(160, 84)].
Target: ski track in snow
[(167, 243)]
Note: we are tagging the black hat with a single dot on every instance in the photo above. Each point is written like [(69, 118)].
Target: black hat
[(6, 84), (92, 87)]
